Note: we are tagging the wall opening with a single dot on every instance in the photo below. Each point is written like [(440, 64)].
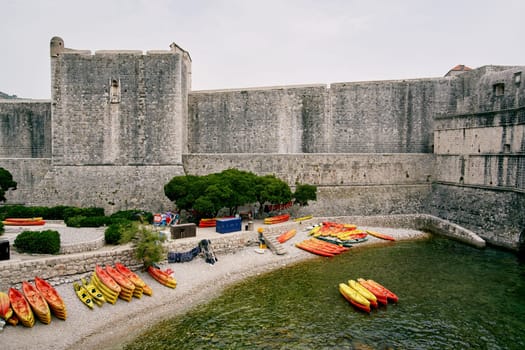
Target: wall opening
[(517, 78), (498, 89), (114, 91)]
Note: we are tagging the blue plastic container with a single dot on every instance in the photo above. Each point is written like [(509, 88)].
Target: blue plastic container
[(228, 225)]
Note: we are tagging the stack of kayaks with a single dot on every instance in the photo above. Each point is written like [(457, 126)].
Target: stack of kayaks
[(54, 300), (94, 293), (210, 222), (277, 219), (116, 282), (365, 294), (21, 307), (24, 221), (37, 302), (126, 286), (140, 286), (163, 277), (286, 235), (322, 248)]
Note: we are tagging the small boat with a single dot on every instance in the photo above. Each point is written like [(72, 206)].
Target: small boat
[(277, 219), (390, 295), (107, 280), (354, 297), (95, 294), (162, 277), (54, 300), (303, 218), (379, 293), (24, 219), (364, 292), (83, 295), (286, 235), (23, 222), (126, 286), (381, 235), (110, 295), (21, 307), (132, 276), (37, 302), (5, 306)]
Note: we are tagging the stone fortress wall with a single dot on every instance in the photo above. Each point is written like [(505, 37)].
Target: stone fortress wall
[(121, 124)]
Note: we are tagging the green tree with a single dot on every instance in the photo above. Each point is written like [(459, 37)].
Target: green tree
[(303, 193), (270, 189), (6, 183)]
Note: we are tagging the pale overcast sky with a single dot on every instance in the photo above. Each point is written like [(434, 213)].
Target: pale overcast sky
[(243, 43)]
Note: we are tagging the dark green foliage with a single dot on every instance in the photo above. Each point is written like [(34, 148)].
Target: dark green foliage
[(39, 242), (304, 193), (87, 221), (73, 211), (48, 213), (231, 188), (133, 215), (121, 231), (6, 183), (272, 190), (1, 228)]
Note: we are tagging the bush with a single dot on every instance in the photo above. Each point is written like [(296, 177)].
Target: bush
[(133, 215), (121, 231), (148, 247), (87, 212), (1, 228), (87, 221), (40, 242)]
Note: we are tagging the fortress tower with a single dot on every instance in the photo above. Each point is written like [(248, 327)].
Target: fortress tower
[(118, 116)]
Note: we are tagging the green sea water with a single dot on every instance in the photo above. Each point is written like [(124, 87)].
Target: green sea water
[(451, 296)]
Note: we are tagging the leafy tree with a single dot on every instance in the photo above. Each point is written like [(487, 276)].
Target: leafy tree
[(303, 193), (6, 183), (270, 189)]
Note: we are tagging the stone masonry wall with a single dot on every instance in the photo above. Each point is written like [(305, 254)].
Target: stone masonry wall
[(117, 108), (348, 184), (25, 129), (365, 117), (480, 158)]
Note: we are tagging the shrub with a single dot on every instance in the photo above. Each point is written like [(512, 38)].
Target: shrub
[(88, 212), (121, 231), (40, 242), (148, 247), (133, 215), (87, 221), (1, 228)]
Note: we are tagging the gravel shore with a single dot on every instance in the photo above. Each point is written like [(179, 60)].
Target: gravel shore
[(109, 326)]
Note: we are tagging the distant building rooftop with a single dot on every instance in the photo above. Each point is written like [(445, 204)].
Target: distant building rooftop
[(460, 68)]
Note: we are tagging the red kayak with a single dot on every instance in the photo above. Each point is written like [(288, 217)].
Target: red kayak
[(54, 300), (379, 293), (37, 301), (381, 235), (21, 307), (390, 295)]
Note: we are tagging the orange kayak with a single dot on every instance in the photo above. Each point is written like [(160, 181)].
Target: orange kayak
[(54, 300), (381, 235), (122, 280), (286, 235), (390, 295), (107, 280), (37, 301), (132, 276), (21, 307), (379, 293)]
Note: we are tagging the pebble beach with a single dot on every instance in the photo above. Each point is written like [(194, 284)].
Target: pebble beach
[(111, 326)]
